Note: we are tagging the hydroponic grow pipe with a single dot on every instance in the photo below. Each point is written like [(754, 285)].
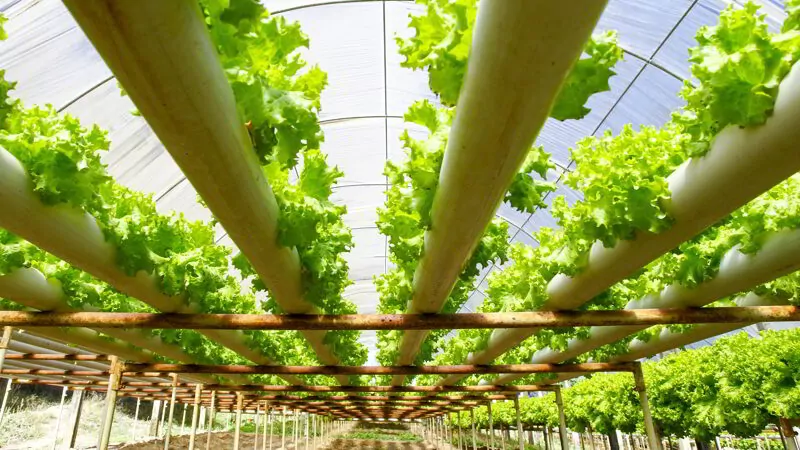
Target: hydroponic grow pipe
[(81, 243), (153, 369), (741, 164), (738, 272), (162, 54), (672, 314), (521, 53)]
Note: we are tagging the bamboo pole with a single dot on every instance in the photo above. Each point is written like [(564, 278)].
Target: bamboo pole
[(653, 441), (111, 402), (237, 432), (195, 415), (60, 412), (295, 427), (183, 418), (307, 431), (519, 425), (480, 161), (472, 423)]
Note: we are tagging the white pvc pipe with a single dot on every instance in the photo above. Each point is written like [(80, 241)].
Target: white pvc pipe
[(170, 70), (738, 272), (742, 164), (521, 53)]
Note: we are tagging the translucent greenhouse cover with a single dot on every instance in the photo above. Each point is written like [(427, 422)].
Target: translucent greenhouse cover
[(363, 106)]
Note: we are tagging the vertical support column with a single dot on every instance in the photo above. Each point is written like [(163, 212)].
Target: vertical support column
[(114, 379), (60, 411), (296, 427), (171, 411), (255, 437), (198, 389), (460, 444), (472, 422), (491, 425), (520, 437), (314, 428), (75, 416), (183, 418), (210, 419), (5, 399), (562, 420), (239, 401), (135, 420), (155, 415), (283, 428), (307, 431), (652, 437), (4, 341), (267, 426)]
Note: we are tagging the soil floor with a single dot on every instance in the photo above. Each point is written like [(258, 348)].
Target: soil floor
[(224, 440)]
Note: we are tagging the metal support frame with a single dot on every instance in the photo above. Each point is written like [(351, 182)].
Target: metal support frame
[(6, 392), (195, 415), (237, 432), (519, 425), (114, 379), (211, 419), (171, 411), (562, 420), (60, 412), (75, 416), (653, 441)]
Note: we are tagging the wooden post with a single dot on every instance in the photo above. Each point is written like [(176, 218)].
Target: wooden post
[(60, 411), (163, 420), (520, 436), (210, 419), (155, 418), (114, 379), (502, 438), (562, 421), (239, 401), (653, 440), (198, 389), (75, 417), (171, 411), (460, 444), (314, 429)]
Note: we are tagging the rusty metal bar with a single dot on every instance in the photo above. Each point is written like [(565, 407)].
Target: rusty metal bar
[(49, 372), (530, 319), (153, 370), (56, 357)]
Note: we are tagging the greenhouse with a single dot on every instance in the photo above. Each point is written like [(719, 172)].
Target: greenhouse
[(400, 224)]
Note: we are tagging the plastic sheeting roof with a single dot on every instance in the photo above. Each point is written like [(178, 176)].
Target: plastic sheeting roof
[(368, 93)]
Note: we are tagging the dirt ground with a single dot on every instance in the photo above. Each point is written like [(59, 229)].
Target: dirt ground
[(221, 441)]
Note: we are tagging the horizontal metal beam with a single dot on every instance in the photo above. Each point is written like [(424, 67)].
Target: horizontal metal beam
[(83, 384), (56, 357), (148, 370), (531, 319)]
